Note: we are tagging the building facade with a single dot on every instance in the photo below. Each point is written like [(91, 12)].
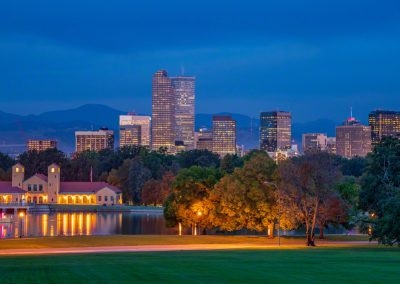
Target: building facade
[(94, 140), (314, 142), (42, 189), (134, 130), (384, 123), (184, 92), (223, 135), (163, 112), (331, 145), (40, 145), (275, 131), (204, 139), (353, 139)]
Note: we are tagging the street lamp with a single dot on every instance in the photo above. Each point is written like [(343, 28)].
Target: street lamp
[(199, 214), (279, 210), (21, 216)]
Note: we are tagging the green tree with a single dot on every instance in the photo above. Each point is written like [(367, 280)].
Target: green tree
[(230, 162), (38, 162), (201, 158), (137, 177), (380, 193)]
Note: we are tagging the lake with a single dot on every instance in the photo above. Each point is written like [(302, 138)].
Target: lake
[(85, 223)]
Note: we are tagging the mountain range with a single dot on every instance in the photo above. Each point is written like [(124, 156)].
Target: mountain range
[(61, 125)]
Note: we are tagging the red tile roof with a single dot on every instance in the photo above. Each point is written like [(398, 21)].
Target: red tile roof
[(85, 187), (6, 187)]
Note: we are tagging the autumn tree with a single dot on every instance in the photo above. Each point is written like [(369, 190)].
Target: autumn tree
[(247, 198), (306, 185), (190, 192), (155, 192)]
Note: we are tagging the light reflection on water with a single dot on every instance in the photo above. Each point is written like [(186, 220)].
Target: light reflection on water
[(85, 223)]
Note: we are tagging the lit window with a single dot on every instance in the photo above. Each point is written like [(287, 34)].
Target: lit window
[(17, 170), (53, 170)]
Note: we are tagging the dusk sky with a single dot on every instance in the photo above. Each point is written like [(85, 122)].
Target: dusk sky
[(314, 58)]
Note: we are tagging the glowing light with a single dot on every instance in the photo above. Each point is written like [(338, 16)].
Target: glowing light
[(21, 214), (199, 213)]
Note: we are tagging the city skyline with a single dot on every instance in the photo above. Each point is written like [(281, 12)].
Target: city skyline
[(242, 68)]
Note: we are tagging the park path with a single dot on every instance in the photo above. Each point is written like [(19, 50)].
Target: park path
[(161, 248)]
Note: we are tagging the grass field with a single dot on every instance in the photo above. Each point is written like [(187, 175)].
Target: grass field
[(132, 240), (316, 265)]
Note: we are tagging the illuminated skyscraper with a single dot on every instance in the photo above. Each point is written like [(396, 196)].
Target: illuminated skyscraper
[(353, 139), (41, 145), (275, 131), (384, 124), (224, 135), (134, 130), (94, 140), (184, 92), (163, 112), (204, 139)]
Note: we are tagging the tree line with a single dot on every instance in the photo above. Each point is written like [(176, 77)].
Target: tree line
[(197, 188)]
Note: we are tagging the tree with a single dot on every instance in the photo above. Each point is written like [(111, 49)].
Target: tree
[(38, 162), (137, 177), (380, 194), (354, 167), (201, 158), (190, 191), (155, 192), (247, 198), (306, 183), (230, 162)]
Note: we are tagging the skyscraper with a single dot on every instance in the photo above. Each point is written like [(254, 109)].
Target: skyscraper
[(223, 135), (384, 123), (41, 145), (94, 140), (353, 139), (163, 112), (204, 139), (275, 131), (314, 142), (134, 130), (184, 92)]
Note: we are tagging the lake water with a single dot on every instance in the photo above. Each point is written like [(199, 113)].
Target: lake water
[(85, 224), (72, 224)]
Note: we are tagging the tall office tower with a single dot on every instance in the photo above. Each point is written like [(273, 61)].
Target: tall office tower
[(134, 130), (184, 91), (314, 142), (204, 139), (163, 112), (353, 139), (223, 135), (40, 145), (331, 145), (384, 124), (275, 131), (94, 140)]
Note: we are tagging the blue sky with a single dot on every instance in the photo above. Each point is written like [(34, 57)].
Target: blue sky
[(314, 58)]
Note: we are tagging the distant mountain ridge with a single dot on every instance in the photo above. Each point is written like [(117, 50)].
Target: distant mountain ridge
[(62, 124)]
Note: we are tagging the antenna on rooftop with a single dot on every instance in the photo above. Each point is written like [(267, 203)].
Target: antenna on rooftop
[(351, 112)]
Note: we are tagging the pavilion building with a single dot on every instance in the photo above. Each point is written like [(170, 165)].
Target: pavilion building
[(42, 189)]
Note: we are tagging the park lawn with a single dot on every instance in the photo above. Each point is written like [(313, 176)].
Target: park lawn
[(312, 265), (134, 240)]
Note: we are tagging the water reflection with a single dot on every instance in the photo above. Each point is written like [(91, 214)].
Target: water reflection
[(72, 224)]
